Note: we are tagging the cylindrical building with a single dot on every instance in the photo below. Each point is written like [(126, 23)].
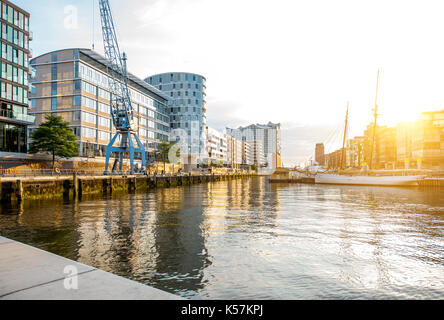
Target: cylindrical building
[(186, 92)]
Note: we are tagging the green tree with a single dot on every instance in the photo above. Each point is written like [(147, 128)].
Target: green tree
[(55, 137)]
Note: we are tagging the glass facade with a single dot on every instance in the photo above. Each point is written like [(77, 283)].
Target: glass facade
[(79, 91), (14, 71), (186, 107), (12, 138)]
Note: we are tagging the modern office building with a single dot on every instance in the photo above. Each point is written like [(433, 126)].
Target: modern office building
[(265, 139), (74, 84), (186, 94), (217, 148), (14, 116)]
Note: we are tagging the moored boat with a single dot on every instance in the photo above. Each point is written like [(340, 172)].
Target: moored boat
[(328, 178), (366, 179)]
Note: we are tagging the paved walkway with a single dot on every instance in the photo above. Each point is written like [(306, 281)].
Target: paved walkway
[(28, 273)]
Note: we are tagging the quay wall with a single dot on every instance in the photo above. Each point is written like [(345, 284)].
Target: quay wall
[(432, 183), (16, 189)]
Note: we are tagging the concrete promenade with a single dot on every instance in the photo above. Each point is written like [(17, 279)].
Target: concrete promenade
[(28, 273)]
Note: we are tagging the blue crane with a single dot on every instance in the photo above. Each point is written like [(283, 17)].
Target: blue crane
[(122, 112)]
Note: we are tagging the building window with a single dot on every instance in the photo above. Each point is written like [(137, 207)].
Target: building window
[(76, 116), (54, 72), (76, 68), (5, 12), (77, 101), (9, 91), (12, 138), (77, 85), (53, 103), (54, 88), (3, 93), (10, 33)]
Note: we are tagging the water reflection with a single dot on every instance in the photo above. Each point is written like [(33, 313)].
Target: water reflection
[(251, 239)]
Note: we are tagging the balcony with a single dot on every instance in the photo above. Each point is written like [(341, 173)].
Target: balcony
[(31, 36), (17, 117)]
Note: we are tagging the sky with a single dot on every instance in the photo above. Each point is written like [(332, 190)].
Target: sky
[(292, 62)]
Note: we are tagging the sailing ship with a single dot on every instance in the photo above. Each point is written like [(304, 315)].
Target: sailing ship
[(367, 180)]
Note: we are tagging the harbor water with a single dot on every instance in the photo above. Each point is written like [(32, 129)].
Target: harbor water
[(249, 239)]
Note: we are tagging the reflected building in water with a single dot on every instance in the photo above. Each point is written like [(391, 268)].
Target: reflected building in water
[(156, 238)]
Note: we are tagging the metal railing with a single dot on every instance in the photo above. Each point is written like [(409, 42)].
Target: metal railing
[(14, 172), (17, 172), (17, 116)]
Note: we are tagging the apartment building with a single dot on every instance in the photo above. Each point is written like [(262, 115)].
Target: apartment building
[(234, 152), (265, 139), (247, 153), (355, 152), (15, 54), (320, 154), (186, 107), (217, 148), (428, 140), (408, 145), (74, 84)]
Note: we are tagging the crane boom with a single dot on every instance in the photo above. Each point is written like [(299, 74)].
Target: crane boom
[(122, 112)]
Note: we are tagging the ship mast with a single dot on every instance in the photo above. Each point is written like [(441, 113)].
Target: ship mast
[(345, 138), (375, 115)]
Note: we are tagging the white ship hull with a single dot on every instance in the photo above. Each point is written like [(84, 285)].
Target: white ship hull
[(327, 178)]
